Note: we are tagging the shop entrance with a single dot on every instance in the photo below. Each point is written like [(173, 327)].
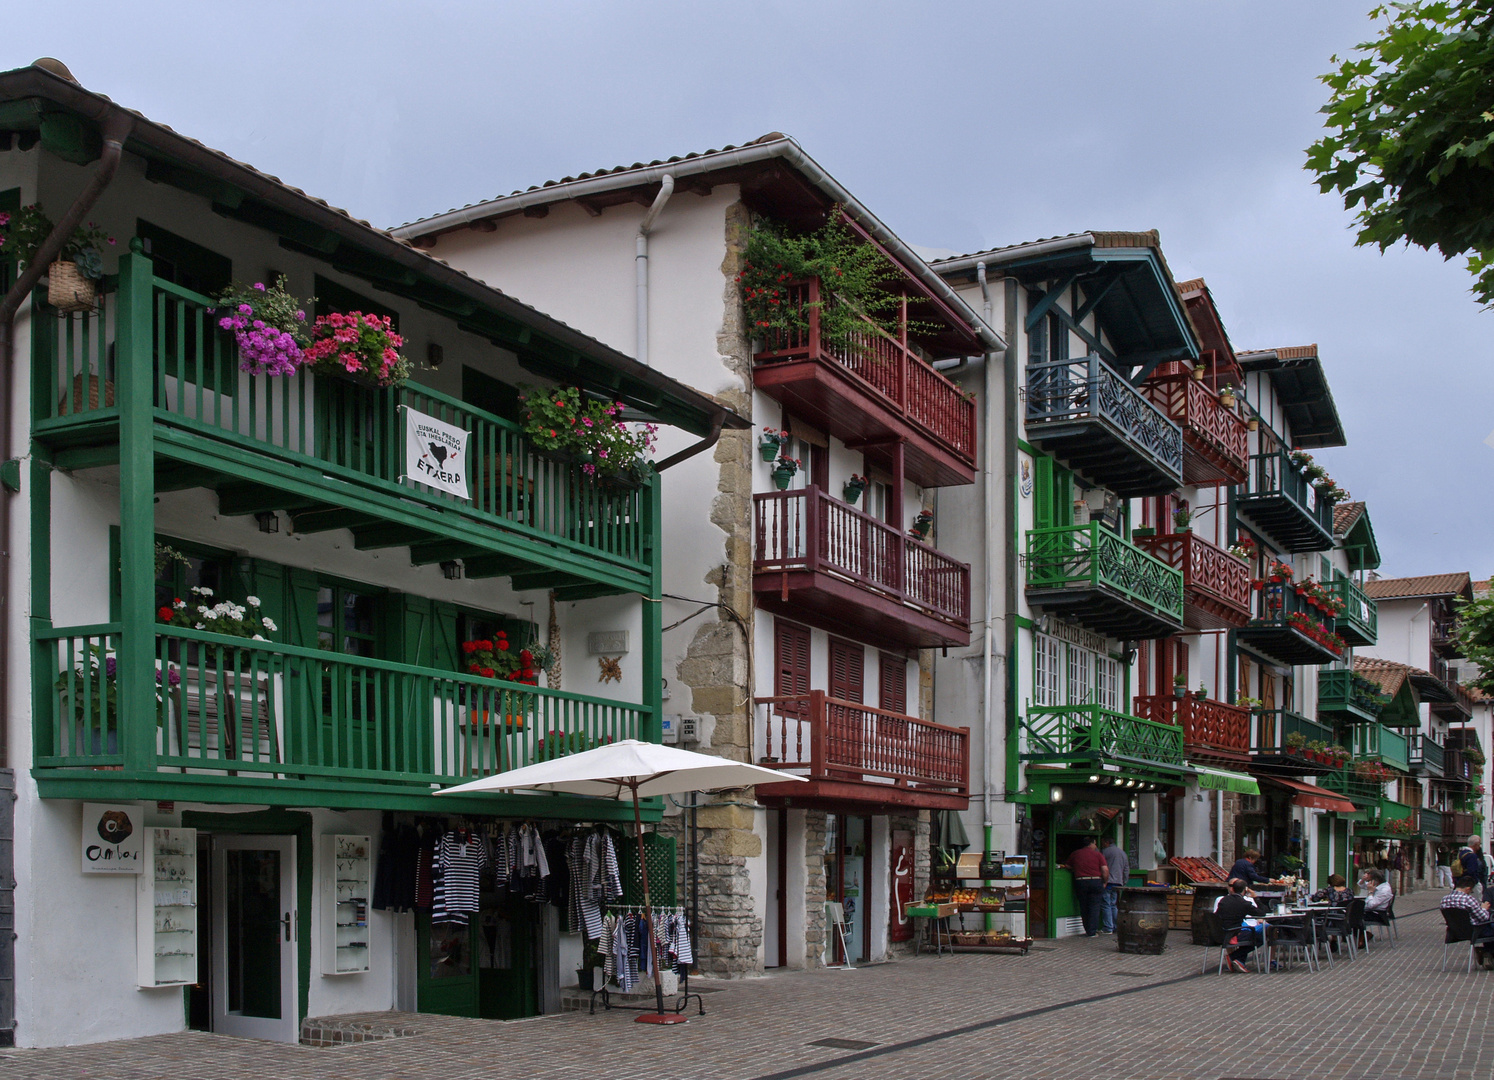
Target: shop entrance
[(847, 883), (253, 946), (489, 968)]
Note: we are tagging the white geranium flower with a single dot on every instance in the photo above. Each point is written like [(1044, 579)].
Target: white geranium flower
[(252, 601), (259, 637), (199, 626), (269, 625)]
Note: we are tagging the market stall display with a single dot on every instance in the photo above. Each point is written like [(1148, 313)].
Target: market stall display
[(994, 888)]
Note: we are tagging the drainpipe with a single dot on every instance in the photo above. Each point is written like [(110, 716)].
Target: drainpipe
[(709, 441), (990, 495), (116, 128), (640, 262)]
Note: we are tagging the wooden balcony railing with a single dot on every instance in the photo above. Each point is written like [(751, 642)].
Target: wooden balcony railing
[(1380, 744), (808, 530), (1090, 731), (1426, 753), (259, 712), (825, 738), (1274, 728), (882, 364), (336, 429), (1216, 584), (1279, 497), (1359, 624), (1458, 769), (1343, 691), (1209, 726), (1458, 825), (1076, 556), (1363, 792), (1215, 437), (1429, 823)]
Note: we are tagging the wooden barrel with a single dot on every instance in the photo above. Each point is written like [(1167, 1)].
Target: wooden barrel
[(1141, 926), (1204, 897)]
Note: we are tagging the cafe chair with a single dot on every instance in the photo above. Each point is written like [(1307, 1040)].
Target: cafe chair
[(1355, 921), (1333, 927), (1384, 918), (1290, 938), (1459, 928), (1223, 938)]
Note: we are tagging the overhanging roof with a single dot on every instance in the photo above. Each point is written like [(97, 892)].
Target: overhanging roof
[(1351, 524), (1302, 390), (1311, 796), (1138, 306), (39, 105), (776, 176), (1420, 588)]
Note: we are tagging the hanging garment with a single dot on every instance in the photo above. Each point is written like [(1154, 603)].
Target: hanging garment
[(625, 949), (460, 858), (575, 852), (558, 884), (680, 942), (397, 871), (606, 932), (425, 877)]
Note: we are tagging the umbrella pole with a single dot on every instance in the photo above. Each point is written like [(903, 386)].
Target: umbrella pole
[(660, 1017)]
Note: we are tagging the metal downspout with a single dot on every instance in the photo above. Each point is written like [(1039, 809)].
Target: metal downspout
[(717, 420), (1011, 536), (640, 262), (988, 651)]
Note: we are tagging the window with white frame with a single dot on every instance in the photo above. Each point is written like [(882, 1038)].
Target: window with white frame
[(1047, 682), (1081, 676), (1108, 683)]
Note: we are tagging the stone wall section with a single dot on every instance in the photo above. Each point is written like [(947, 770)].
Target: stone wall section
[(814, 888), (717, 668)]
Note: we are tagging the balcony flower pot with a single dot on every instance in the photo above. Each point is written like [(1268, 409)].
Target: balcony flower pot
[(770, 443), (1198, 372), (69, 289), (853, 488), (1179, 690), (1143, 531), (1253, 424), (1227, 400), (782, 478), (923, 524)]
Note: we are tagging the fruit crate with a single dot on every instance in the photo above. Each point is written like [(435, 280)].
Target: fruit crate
[(1199, 870), (1180, 909)]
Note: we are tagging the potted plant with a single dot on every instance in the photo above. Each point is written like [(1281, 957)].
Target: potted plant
[(356, 346), (1182, 518), (1201, 693), (1198, 372), (1249, 702), (1253, 423), (922, 524), (496, 658), (853, 488), (784, 470), (73, 277), (1227, 396), (1180, 686), (566, 425), (269, 325), (770, 442), (1295, 742), (1143, 530)]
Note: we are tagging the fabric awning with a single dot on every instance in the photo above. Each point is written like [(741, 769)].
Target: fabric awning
[(1312, 796), (1224, 780)]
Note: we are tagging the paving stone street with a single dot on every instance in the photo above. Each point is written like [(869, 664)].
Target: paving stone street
[(1074, 1008)]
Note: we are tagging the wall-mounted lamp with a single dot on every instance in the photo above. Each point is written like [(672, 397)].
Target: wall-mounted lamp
[(435, 355), (269, 521), (452, 570), (1055, 794)]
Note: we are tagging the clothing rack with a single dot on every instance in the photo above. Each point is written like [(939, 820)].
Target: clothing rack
[(682, 998)]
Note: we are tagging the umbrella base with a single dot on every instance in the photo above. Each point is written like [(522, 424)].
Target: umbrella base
[(661, 1018)]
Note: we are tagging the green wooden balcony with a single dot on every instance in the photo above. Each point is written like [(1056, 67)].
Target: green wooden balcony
[(1087, 736), (1429, 823), (1349, 696), (224, 719), (327, 451), (1375, 743), (1359, 624), (1425, 754), (1090, 575), (1278, 498), (1380, 815), (1279, 739), (1284, 629)]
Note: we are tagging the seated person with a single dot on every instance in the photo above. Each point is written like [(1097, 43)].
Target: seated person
[(1337, 892), (1381, 896), (1478, 913), (1237, 906), (1245, 868)]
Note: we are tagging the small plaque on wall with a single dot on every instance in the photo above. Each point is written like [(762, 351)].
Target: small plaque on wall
[(607, 642), (113, 835)]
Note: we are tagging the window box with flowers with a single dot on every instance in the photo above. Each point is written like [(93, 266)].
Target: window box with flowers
[(359, 347), (269, 326), (74, 276), (566, 425)]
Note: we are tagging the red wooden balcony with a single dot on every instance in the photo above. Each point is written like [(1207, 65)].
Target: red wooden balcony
[(1211, 729), (1216, 444), (1216, 585), (854, 753), (870, 393), (824, 562)]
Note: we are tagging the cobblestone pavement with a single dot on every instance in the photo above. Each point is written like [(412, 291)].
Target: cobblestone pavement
[(1074, 1009)]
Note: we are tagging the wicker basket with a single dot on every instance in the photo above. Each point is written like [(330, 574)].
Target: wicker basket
[(75, 402), (68, 290)]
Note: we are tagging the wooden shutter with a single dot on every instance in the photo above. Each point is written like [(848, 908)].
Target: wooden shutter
[(847, 670), (790, 665), (300, 608), (892, 679)]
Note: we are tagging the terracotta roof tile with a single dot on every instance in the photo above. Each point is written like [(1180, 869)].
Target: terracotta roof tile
[(1344, 516), (1410, 587), (1387, 673)]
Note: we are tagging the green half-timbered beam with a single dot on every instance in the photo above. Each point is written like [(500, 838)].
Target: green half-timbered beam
[(385, 535), (491, 566), (429, 552), (330, 519), (1045, 303)]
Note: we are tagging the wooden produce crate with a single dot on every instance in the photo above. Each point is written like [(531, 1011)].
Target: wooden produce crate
[(1199, 870), (1180, 909)]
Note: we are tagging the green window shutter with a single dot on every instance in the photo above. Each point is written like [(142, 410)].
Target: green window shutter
[(299, 627), (116, 587), (408, 619), (266, 580), (1063, 497), (1042, 486), (445, 649)]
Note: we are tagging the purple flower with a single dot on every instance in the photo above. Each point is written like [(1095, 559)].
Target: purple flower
[(245, 309), (260, 285), (109, 665)]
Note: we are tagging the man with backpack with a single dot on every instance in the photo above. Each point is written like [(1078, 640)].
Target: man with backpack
[(1471, 862)]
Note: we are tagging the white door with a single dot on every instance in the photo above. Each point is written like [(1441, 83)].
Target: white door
[(254, 937)]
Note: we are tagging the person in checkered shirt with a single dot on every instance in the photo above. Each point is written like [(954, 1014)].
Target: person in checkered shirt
[(1478, 913)]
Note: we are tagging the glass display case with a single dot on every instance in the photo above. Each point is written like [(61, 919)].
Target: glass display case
[(166, 938), (347, 883)]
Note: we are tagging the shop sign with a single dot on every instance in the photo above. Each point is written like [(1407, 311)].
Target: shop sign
[(901, 926), (113, 838), (1073, 635)]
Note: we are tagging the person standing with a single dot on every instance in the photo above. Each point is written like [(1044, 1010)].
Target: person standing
[(1471, 860), (1245, 868), (1445, 871), (1090, 872), (1119, 867)]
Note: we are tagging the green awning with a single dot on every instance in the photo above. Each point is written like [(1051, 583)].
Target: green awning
[(1223, 780)]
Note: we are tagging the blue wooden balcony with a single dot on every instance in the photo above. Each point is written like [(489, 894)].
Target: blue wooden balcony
[(1278, 498)]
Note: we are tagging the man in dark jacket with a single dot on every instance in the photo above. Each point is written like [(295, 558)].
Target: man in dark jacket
[(1245, 869), (1237, 906), (1472, 860)]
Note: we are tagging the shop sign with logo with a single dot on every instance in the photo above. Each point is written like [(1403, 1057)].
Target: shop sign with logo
[(113, 838)]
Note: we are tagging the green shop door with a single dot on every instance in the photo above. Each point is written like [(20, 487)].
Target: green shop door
[(446, 982), (508, 940)]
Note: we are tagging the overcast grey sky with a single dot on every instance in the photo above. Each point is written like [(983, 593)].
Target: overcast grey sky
[(961, 125)]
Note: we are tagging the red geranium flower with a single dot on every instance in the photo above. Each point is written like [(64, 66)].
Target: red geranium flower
[(164, 614)]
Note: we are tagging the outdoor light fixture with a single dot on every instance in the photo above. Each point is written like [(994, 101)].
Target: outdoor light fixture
[(434, 355), (269, 521), (452, 569), (1133, 804), (1055, 794), (1093, 779)]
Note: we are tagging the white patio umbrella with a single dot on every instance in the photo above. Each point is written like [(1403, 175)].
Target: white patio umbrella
[(630, 769)]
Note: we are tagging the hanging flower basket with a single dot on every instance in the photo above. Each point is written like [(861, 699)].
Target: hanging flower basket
[(68, 289), (784, 472), (853, 488), (771, 442)]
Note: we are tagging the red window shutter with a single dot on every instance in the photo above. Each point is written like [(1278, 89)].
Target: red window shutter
[(790, 664), (847, 670), (892, 691)]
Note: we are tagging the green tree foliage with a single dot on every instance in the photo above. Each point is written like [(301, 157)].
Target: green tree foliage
[(1475, 634), (1411, 122)]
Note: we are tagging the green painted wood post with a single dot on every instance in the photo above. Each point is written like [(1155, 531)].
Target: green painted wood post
[(134, 381), (653, 615)]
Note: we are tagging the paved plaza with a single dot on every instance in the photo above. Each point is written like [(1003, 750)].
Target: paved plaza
[(1071, 1009)]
